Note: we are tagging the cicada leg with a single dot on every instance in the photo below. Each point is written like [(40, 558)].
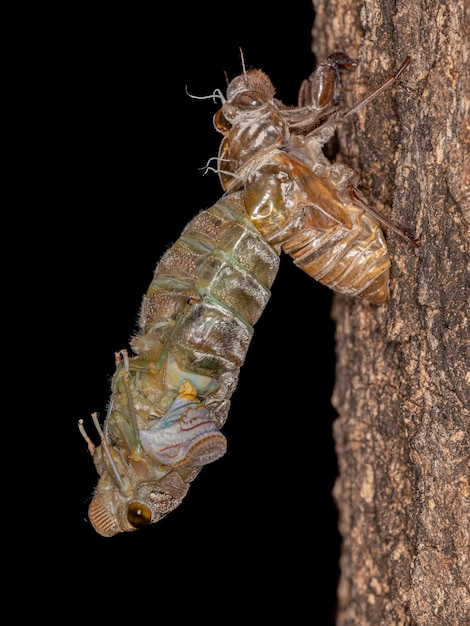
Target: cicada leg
[(340, 116), (403, 232), (84, 434), (323, 87), (326, 84), (125, 423)]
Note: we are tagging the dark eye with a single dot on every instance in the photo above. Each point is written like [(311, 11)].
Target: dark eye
[(138, 515), (248, 100)]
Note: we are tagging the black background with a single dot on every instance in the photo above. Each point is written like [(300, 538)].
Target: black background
[(121, 149)]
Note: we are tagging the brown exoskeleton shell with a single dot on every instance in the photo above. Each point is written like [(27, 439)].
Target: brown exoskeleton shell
[(303, 204)]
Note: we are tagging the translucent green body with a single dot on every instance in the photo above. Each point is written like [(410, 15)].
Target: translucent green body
[(170, 400)]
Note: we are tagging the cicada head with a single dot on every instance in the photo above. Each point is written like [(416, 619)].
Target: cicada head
[(145, 473), (246, 94), (251, 81), (250, 124), (112, 512)]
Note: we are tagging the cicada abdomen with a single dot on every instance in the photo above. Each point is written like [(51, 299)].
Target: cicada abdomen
[(310, 208), (171, 398)]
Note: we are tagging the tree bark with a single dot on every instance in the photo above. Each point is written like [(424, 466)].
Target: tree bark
[(403, 370)]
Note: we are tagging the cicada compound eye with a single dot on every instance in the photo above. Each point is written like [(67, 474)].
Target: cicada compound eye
[(249, 101), (138, 515)]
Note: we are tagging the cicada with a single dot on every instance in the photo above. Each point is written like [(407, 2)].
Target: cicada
[(170, 398)]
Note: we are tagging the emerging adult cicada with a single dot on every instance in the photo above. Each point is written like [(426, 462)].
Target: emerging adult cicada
[(171, 398)]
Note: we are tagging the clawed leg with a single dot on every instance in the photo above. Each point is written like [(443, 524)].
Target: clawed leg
[(323, 87), (388, 83), (322, 90), (320, 94)]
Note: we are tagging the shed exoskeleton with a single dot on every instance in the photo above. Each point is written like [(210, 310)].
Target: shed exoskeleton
[(310, 208)]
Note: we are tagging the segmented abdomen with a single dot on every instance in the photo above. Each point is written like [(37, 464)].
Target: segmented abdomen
[(329, 237), (353, 261), (197, 317)]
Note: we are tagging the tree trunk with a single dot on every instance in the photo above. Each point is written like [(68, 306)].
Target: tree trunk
[(403, 370)]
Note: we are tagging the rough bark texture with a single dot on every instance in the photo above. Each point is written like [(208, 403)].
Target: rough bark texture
[(403, 371)]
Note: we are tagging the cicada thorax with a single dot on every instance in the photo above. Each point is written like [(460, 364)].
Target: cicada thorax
[(171, 398), (297, 199)]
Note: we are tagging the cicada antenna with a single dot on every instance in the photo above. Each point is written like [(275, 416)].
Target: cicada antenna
[(242, 61)]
